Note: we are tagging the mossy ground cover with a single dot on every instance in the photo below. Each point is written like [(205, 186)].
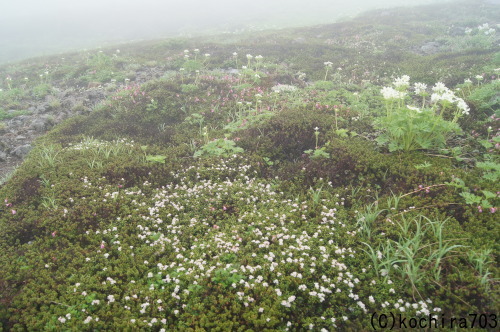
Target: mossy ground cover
[(258, 199)]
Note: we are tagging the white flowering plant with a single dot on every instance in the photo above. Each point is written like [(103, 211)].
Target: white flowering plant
[(427, 126)]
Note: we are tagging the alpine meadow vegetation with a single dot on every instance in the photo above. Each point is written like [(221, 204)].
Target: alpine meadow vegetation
[(312, 178)]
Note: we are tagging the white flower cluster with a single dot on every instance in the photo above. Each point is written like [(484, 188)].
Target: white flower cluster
[(420, 88), (288, 303), (284, 88), (391, 93), (442, 93), (399, 91), (402, 82), (282, 251), (484, 28)]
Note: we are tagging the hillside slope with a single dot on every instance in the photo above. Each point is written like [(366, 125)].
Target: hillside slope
[(294, 179)]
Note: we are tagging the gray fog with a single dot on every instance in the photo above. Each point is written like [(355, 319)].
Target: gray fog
[(42, 27)]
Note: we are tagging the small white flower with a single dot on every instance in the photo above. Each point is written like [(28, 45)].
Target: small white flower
[(416, 109), (402, 82), (391, 93), (439, 88), (420, 88), (462, 105)]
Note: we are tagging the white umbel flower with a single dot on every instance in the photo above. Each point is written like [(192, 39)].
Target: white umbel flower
[(402, 82)]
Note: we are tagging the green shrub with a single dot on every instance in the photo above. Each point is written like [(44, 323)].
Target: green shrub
[(218, 148)]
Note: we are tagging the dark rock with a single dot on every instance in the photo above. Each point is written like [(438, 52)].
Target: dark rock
[(70, 101), (42, 123), (42, 108), (19, 121), (21, 151), (95, 94), (431, 48)]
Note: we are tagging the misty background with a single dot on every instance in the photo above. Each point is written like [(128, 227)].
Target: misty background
[(33, 27)]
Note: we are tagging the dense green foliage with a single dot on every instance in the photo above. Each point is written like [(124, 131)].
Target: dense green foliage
[(289, 194)]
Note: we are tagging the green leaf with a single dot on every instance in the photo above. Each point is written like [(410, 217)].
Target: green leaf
[(394, 146), (341, 132), (489, 194), (424, 165), (486, 144), (485, 204), (156, 159), (492, 177), (489, 165), (470, 199), (457, 183), (382, 139)]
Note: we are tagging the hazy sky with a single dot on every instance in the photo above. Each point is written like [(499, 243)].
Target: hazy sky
[(36, 27)]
